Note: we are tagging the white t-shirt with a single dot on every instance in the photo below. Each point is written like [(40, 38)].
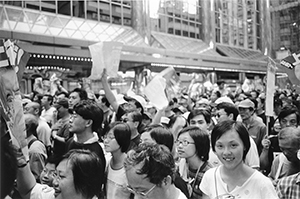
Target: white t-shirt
[(257, 186), (42, 191), (181, 196), (116, 185)]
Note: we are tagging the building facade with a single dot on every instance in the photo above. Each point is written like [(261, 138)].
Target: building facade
[(285, 25), (226, 37)]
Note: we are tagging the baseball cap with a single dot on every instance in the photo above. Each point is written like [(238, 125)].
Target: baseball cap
[(223, 99), (63, 102), (246, 104)]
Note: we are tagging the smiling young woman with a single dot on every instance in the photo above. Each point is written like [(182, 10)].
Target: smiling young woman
[(234, 179)]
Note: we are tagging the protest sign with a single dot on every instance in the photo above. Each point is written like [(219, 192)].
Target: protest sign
[(11, 108), (162, 88), (271, 71), (105, 55)]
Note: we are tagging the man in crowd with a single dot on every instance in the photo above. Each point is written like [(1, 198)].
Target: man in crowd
[(48, 109), (76, 96), (287, 163), (37, 150), (134, 120), (43, 130), (60, 130), (200, 118), (289, 187), (256, 129), (150, 172), (85, 124)]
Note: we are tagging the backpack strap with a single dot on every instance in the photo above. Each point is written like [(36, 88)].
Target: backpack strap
[(31, 142)]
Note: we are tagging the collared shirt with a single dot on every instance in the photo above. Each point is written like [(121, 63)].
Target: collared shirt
[(289, 187)]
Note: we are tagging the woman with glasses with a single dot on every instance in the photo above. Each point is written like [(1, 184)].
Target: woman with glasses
[(117, 141), (193, 147), (234, 179)]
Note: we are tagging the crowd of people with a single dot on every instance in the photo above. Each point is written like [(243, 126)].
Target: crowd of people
[(219, 144)]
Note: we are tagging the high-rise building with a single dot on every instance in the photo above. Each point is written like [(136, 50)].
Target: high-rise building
[(285, 25), (226, 37)]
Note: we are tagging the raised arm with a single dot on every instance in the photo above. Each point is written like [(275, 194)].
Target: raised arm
[(25, 178), (108, 93)]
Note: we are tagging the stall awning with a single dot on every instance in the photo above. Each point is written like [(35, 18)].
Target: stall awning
[(241, 53), (182, 44)]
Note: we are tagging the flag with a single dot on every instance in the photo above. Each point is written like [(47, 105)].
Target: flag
[(291, 65), (11, 108)]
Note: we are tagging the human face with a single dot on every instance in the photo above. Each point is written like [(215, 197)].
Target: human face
[(200, 122), (64, 182), (213, 97), (129, 120), (77, 123), (141, 186), (185, 146), (289, 121), (130, 106), (245, 113), (29, 109), (146, 138), (289, 149), (60, 97), (230, 149), (110, 142), (73, 99), (221, 115), (48, 174), (44, 101)]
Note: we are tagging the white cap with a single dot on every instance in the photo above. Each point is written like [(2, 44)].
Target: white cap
[(223, 99)]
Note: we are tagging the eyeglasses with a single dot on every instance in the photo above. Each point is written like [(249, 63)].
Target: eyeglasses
[(183, 142), (143, 194)]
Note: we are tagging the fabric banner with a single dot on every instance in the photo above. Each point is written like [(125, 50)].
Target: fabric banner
[(10, 97), (105, 55), (271, 71)]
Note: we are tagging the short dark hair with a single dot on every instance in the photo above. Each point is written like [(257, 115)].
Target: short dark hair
[(229, 109), (89, 110), (31, 123), (206, 114), (105, 101), (163, 136), (201, 139), (62, 93), (49, 98), (157, 162), (288, 110), (87, 171), (136, 117), (227, 125), (122, 134), (81, 92)]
